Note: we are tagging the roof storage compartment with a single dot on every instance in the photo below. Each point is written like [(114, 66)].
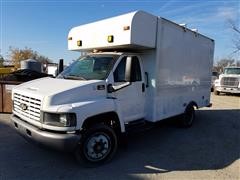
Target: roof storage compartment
[(132, 30)]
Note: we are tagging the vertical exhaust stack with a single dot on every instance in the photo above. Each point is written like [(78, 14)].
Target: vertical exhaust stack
[(60, 66)]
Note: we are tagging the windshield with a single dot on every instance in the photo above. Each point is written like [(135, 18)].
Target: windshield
[(91, 67), (232, 71)]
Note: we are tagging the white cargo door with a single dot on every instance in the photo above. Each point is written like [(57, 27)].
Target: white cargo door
[(130, 96)]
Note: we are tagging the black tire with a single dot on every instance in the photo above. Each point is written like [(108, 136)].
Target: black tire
[(216, 92), (188, 117), (97, 146)]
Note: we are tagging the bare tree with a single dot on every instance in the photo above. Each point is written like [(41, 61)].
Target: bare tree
[(221, 64), (16, 55), (43, 59), (236, 29), (238, 63), (1, 61)]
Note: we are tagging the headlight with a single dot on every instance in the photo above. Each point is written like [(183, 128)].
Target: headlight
[(61, 120)]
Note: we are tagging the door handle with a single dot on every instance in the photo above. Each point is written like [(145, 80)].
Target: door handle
[(143, 87)]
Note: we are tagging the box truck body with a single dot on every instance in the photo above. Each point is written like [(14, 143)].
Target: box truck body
[(137, 67), (178, 60)]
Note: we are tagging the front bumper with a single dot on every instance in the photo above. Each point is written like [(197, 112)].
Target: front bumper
[(227, 89), (60, 141)]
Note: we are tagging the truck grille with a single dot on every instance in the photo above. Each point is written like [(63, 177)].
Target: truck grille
[(230, 81), (27, 107)]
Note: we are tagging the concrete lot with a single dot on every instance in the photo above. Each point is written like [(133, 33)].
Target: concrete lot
[(208, 150)]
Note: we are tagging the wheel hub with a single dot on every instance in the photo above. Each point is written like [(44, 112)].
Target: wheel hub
[(98, 146)]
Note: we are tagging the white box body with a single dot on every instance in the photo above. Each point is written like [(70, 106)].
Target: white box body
[(180, 70)]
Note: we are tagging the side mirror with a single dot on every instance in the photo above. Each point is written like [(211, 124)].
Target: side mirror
[(60, 66), (110, 88), (128, 69)]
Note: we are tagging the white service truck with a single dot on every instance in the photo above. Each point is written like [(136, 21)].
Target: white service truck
[(137, 67), (228, 82)]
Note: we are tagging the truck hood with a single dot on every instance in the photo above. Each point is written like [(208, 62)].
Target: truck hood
[(61, 91)]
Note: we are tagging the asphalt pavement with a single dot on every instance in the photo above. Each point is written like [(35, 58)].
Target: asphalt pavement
[(210, 149)]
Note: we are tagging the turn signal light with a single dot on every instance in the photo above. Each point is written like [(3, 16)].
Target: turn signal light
[(110, 38), (125, 28), (79, 43)]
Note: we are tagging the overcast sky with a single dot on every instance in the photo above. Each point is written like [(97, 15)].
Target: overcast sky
[(43, 25)]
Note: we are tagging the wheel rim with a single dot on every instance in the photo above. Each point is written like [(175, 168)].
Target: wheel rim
[(97, 146)]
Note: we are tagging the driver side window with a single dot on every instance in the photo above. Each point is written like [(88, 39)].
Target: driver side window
[(119, 73)]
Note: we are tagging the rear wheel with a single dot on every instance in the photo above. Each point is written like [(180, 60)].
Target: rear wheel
[(216, 92), (188, 117), (98, 145)]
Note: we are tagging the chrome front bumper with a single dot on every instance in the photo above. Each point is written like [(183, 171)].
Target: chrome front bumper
[(60, 141), (227, 89)]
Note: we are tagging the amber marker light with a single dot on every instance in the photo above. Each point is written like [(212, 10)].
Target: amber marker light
[(125, 28), (79, 43), (110, 38)]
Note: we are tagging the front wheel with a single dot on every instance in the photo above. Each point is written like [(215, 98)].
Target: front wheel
[(97, 146)]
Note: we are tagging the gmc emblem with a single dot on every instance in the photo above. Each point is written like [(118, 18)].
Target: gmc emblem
[(23, 106)]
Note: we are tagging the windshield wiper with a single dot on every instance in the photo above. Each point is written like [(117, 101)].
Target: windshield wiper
[(74, 77)]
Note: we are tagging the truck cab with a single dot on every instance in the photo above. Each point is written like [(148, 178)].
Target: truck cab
[(96, 91), (228, 82), (118, 76)]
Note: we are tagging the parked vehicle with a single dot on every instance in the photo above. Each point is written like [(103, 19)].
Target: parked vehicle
[(24, 75), (139, 68), (228, 82)]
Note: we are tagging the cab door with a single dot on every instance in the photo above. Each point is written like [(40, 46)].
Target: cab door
[(129, 91)]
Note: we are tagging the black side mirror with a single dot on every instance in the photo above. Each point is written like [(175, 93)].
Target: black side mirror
[(60, 66), (110, 88)]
